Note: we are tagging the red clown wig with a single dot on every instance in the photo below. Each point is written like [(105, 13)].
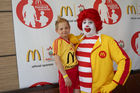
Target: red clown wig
[(93, 15)]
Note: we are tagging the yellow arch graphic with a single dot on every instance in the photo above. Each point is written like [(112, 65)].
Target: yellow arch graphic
[(66, 10)]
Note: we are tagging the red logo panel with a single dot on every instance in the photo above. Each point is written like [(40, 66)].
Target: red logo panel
[(102, 54), (34, 13), (40, 84), (109, 11), (135, 43)]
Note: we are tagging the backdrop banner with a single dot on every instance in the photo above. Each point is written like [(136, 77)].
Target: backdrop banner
[(34, 28)]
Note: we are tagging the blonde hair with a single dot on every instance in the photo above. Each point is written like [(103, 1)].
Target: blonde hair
[(60, 20)]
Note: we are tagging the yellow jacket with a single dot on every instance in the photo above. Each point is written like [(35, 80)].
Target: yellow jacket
[(103, 53)]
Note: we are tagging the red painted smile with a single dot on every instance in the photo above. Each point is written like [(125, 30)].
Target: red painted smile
[(87, 29)]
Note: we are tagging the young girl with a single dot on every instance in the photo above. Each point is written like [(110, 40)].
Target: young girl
[(65, 58)]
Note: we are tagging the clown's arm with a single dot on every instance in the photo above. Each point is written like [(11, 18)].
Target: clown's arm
[(123, 69), (75, 39)]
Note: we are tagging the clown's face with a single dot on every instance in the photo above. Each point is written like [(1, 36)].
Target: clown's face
[(88, 27)]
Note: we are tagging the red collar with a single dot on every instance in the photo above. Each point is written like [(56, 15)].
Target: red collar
[(64, 40), (93, 37)]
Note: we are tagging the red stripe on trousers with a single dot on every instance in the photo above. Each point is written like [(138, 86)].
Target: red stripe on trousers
[(84, 74)]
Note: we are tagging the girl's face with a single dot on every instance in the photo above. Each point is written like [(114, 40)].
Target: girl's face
[(88, 27), (63, 29)]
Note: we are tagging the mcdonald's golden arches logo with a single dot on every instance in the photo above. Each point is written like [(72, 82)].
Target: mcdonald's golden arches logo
[(102, 54), (66, 10), (33, 54), (131, 8), (68, 57)]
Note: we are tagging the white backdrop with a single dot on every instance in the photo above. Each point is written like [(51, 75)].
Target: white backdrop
[(35, 32)]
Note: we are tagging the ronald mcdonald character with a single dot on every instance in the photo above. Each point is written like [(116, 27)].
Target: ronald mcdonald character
[(95, 53)]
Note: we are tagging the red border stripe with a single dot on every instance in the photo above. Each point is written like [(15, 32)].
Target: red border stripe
[(115, 82), (126, 68), (55, 46)]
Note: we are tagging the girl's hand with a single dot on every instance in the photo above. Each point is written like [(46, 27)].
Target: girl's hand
[(68, 82)]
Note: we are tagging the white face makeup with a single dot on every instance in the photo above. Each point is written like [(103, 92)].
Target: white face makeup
[(88, 27)]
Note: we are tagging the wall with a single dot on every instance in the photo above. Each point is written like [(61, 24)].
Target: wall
[(8, 65)]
